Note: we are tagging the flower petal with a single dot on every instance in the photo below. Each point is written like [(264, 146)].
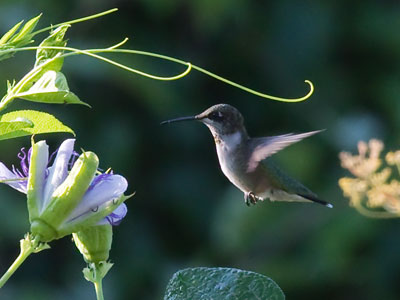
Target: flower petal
[(115, 217), (108, 188), (6, 174), (59, 170), (91, 217), (37, 177)]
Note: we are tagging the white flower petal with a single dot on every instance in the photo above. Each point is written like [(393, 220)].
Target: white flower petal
[(108, 188), (5, 174), (59, 170)]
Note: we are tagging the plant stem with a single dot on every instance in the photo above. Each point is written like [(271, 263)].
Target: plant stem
[(77, 20), (99, 288), (11, 95), (19, 260), (28, 245), (189, 67), (95, 273)]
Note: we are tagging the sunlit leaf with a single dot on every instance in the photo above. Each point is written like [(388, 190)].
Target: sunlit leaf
[(221, 284), (14, 125), (51, 64), (40, 122), (55, 39), (52, 87)]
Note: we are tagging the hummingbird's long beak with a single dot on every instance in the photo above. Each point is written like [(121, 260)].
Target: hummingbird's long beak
[(191, 118)]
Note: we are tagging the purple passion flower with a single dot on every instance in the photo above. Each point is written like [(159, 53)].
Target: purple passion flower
[(69, 195)]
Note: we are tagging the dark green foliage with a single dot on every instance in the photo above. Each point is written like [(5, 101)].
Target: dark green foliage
[(221, 284)]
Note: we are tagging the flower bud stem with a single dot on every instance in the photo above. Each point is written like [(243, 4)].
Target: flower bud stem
[(28, 246), (95, 273), (98, 285)]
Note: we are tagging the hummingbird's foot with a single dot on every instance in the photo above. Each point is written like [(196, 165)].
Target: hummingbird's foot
[(250, 198)]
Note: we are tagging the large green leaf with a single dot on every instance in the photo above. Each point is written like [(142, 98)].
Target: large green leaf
[(51, 87), (221, 284), (36, 122)]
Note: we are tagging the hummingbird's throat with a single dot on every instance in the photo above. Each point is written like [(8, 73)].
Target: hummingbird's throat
[(228, 142), (216, 139), (215, 134)]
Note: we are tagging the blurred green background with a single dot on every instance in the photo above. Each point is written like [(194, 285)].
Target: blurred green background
[(185, 212)]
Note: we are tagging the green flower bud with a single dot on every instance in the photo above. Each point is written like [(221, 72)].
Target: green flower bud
[(94, 242)]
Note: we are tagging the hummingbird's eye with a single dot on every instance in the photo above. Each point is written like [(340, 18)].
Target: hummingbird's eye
[(216, 116)]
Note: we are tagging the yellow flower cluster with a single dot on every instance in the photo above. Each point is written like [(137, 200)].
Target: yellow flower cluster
[(372, 192)]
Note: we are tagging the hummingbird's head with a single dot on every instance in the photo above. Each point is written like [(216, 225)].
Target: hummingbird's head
[(221, 119)]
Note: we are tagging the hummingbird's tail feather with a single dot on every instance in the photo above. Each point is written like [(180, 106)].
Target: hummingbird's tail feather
[(316, 200)]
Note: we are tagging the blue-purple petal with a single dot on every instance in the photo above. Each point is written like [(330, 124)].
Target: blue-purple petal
[(107, 188), (115, 217), (6, 174)]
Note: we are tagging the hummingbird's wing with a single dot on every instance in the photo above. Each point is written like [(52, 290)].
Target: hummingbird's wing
[(261, 148), (281, 181)]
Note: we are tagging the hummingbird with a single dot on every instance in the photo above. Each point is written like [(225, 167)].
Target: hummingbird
[(246, 162)]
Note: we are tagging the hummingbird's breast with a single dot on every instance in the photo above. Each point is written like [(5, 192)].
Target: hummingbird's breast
[(233, 158)]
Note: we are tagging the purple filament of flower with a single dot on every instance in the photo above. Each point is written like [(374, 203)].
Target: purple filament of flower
[(52, 155), (17, 172), (24, 161), (73, 159), (114, 219)]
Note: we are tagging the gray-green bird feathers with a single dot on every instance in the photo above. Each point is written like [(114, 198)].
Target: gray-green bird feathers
[(245, 161)]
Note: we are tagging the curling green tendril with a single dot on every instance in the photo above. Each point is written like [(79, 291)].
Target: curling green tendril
[(115, 49), (76, 20)]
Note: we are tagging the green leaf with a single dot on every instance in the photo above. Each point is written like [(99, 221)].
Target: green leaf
[(221, 284), (40, 123), (4, 39), (51, 87), (52, 64), (14, 125), (55, 39)]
